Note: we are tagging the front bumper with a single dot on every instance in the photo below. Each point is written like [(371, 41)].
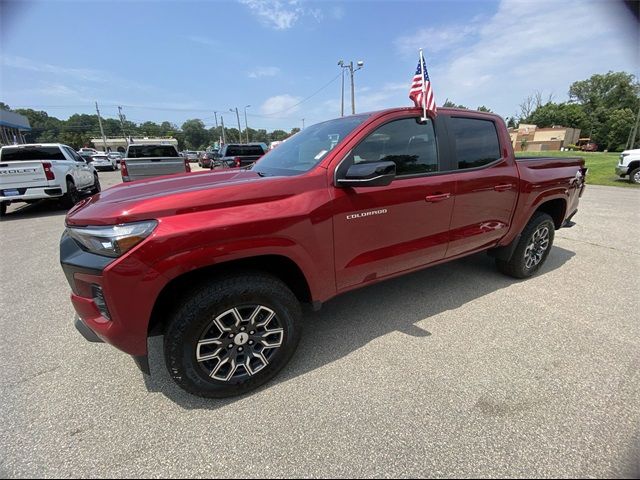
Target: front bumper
[(622, 170), (84, 272)]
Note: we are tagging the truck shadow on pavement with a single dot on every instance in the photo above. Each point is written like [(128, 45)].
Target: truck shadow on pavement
[(352, 320), (41, 208)]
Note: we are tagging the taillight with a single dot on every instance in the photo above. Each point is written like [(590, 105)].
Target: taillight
[(123, 170), (187, 167), (237, 160), (48, 172)]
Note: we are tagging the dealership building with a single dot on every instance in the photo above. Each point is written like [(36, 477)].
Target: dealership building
[(13, 128)]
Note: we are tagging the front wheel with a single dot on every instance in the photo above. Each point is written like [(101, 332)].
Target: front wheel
[(532, 249), (634, 176), (232, 335)]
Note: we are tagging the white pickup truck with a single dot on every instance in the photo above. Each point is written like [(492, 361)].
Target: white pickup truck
[(37, 171), (629, 165)]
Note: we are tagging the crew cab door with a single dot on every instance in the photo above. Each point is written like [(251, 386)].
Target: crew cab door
[(381, 231), (80, 170), (487, 183)]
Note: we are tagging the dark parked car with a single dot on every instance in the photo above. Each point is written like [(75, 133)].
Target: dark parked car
[(206, 159), (239, 154)]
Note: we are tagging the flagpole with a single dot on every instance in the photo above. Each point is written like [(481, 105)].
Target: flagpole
[(424, 89)]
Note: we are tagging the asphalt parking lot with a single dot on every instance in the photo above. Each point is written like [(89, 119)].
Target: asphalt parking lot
[(455, 371)]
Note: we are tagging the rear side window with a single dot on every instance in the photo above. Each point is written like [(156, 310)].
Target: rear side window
[(16, 154), (148, 151), (476, 142)]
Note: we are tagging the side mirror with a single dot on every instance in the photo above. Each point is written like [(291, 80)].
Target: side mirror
[(374, 174)]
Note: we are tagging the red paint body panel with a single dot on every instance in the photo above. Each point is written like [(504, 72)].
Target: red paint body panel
[(209, 218)]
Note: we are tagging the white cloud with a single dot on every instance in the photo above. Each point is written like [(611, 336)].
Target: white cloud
[(280, 104), (264, 72), (284, 14), (435, 39), (275, 13), (203, 40), (525, 46)]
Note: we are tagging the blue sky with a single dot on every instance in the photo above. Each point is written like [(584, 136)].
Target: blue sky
[(171, 60)]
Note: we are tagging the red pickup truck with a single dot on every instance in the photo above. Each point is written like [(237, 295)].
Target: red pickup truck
[(220, 262)]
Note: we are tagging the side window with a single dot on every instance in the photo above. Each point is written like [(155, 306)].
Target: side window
[(476, 142), (72, 154), (407, 142)]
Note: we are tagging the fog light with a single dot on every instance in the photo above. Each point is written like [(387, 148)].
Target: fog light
[(98, 299)]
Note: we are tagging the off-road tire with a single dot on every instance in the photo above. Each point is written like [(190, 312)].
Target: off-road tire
[(634, 176), (197, 311), (516, 266)]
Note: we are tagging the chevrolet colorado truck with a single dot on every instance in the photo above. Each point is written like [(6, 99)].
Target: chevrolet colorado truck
[(145, 160), (31, 172), (220, 262)]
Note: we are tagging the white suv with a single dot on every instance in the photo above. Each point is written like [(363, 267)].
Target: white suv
[(49, 170), (629, 165)]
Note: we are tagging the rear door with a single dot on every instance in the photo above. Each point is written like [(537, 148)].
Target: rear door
[(21, 167), (487, 184), (381, 231), (80, 169)]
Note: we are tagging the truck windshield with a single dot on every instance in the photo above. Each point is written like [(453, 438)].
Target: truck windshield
[(304, 150)]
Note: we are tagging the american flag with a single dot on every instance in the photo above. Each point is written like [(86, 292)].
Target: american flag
[(420, 91)]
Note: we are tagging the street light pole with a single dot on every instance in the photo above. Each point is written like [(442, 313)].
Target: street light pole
[(246, 125), (352, 70), (342, 67)]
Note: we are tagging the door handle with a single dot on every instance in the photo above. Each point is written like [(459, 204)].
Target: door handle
[(438, 197), (503, 188)]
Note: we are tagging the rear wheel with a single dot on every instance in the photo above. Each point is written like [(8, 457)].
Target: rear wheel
[(533, 248), (634, 176), (232, 335), (96, 185), (72, 196)]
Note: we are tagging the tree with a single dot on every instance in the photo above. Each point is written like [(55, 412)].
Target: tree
[(195, 135), (613, 90), (484, 109), (620, 124), (449, 104), (4, 106), (150, 129), (278, 135)]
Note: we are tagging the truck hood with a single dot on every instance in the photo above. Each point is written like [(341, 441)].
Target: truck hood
[(170, 195)]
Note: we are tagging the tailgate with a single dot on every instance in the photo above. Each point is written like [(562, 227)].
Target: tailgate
[(139, 168), (22, 174)]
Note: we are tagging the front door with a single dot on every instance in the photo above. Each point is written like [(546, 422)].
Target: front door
[(381, 231)]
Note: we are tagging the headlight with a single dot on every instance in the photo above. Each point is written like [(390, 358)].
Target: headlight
[(114, 240)]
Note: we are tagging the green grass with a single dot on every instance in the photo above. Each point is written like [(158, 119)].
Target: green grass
[(601, 166)]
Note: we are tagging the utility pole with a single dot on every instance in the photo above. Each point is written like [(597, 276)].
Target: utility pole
[(104, 139), (215, 115), (224, 138), (353, 99), (303, 123), (352, 70), (124, 133), (631, 141), (239, 127), (246, 125)]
